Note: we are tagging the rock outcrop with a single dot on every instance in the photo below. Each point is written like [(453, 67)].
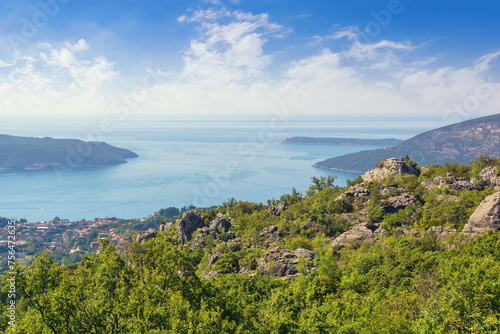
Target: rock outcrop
[(400, 202), (193, 221), (392, 166), (452, 183), (214, 258), (359, 234), (277, 210), (140, 238), (220, 223), (280, 262), (190, 221), (356, 191), (490, 177), (486, 217), (270, 235), (440, 231)]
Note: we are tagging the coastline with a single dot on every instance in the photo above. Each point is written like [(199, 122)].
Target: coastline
[(339, 169)]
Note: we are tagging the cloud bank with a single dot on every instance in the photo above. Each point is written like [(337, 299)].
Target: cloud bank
[(229, 69)]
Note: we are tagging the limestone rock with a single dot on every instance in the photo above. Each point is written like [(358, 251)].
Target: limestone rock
[(400, 202), (356, 191), (214, 258), (380, 232), (392, 166), (306, 254), (280, 262), (359, 234), (270, 234), (440, 231), (276, 211), (190, 221), (198, 241), (140, 238), (486, 217), (451, 182), (220, 221), (489, 176)]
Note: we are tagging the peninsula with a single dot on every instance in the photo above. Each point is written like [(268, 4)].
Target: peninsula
[(31, 153), (461, 142)]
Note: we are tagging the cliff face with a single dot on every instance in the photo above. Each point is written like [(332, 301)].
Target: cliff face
[(459, 142)]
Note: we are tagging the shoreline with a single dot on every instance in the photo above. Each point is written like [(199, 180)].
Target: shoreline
[(339, 169)]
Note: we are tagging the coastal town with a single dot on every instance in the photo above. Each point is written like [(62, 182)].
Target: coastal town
[(62, 238)]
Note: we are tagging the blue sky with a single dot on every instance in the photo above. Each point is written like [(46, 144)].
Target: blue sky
[(407, 58)]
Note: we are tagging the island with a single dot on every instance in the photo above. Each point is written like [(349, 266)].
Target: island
[(32, 153), (386, 142)]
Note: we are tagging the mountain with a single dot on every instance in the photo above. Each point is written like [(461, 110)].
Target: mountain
[(27, 153), (461, 142), (342, 141)]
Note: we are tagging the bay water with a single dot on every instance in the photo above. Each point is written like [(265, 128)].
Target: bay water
[(181, 162)]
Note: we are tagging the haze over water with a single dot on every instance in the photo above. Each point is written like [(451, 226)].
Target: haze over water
[(182, 163)]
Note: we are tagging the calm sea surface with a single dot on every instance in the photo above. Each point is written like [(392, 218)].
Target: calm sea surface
[(182, 162)]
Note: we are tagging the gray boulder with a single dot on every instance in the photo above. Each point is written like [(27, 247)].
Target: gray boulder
[(356, 191), (486, 217), (400, 202), (190, 221), (218, 222), (214, 258), (392, 166), (489, 176), (306, 254), (359, 234), (452, 183), (440, 231), (270, 235), (140, 238), (280, 262), (276, 211)]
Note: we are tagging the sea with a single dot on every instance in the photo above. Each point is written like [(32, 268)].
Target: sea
[(182, 162)]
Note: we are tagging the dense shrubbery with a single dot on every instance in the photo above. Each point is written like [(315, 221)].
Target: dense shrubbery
[(400, 284)]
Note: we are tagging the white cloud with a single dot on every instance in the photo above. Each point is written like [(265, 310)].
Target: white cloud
[(56, 79), (6, 64), (79, 46), (226, 70), (351, 33), (228, 52), (364, 78)]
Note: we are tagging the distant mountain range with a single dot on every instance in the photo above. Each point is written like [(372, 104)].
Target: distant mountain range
[(342, 141), (459, 142), (28, 153)]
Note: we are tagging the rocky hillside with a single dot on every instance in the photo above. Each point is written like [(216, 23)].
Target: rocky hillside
[(402, 249), (459, 142), (392, 198)]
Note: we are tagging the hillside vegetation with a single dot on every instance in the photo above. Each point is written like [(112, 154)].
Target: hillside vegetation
[(385, 254)]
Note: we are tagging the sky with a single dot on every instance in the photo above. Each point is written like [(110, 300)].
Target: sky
[(365, 59)]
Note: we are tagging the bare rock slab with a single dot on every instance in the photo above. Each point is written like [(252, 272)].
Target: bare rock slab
[(486, 217)]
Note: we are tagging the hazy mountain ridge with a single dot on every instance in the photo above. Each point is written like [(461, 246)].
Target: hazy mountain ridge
[(341, 141), (25, 153), (461, 142)]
